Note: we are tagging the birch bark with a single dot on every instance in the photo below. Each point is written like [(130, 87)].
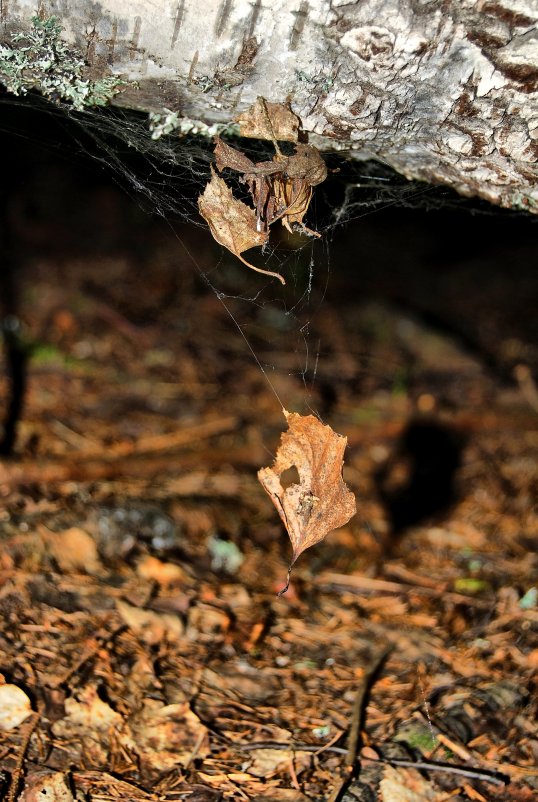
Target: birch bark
[(443, 90)]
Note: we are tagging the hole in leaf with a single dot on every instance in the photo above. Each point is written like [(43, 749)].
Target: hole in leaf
[(289, 477)]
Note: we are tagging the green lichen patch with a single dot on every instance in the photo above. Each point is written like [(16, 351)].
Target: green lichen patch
[(167, 122), (522, 201), (41, 60), (163, 124)]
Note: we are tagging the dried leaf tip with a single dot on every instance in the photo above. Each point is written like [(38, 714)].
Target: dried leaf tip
[(320, 501)]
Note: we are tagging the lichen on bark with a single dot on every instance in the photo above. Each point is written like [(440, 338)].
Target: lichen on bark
[(41, 60)]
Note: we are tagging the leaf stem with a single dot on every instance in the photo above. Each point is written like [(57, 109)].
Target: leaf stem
[(286, 586)]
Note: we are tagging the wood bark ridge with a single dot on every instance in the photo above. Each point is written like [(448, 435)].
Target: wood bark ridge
[(442, 90)]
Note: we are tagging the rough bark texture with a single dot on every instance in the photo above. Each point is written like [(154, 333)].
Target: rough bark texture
[(443, 90)]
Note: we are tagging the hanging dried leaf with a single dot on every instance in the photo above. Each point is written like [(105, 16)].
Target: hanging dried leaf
[(294, 197), (280, 188), (232, 222), (321, 501), (226, 156), (306, 165), (284, 124)]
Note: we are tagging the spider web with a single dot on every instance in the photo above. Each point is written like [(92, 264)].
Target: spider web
[(166, 174)]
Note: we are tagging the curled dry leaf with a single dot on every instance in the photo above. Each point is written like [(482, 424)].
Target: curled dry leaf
[(321, 501), (306, 165), (282, 124), (232, 222), (226, 156)]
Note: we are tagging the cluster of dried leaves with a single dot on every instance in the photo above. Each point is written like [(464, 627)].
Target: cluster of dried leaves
[(281, 189)]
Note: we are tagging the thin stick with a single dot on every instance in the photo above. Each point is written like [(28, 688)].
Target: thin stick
[(195, 750), (286, 586), (490, 775), (496, 777), (357, 719), (17, 771), (263, 104), (163, 442), (359, 705), (293, 774), (365, 584), (458, 750)]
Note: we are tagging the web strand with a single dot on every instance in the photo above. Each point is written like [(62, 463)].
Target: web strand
[(230, 314), (151, 172)]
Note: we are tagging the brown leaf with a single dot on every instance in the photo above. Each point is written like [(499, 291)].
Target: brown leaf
[(73, 549), (264, 120), (46, 786), (280, 188), (226, 156), (407, 785), (167, 736), (294, 198), (232, 222), (321, 501), (307, 165)]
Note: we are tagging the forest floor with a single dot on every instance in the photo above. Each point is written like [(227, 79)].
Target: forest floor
[(140, 558)]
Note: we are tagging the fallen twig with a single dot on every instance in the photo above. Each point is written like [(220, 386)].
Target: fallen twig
[(492, 776), (122, 459), (17, 771), (357, 717), (353, 583), (163, 442)]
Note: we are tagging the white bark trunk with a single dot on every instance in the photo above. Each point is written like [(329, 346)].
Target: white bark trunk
[(443, 90)]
